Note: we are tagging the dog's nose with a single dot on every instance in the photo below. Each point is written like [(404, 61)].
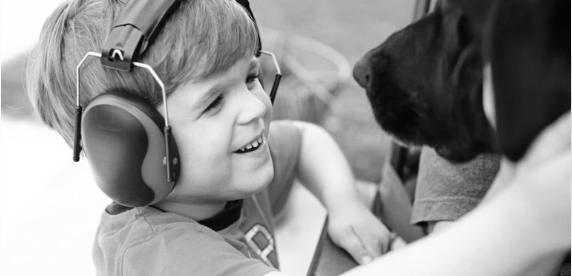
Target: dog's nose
[(362, 72)]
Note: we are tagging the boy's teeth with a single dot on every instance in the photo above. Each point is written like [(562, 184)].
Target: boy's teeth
[(254, 144)]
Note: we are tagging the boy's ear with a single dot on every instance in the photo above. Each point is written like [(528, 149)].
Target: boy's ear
[(529, 46)]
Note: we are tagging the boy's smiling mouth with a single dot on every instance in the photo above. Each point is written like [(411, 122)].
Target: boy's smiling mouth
[(252, 146)]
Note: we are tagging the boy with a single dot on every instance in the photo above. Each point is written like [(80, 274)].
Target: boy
[(217, 219)]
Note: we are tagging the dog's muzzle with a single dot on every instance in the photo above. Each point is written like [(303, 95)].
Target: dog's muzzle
[(362, 72)]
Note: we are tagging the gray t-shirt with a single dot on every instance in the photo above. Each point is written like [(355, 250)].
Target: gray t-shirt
[(148, 241), (447, 191)]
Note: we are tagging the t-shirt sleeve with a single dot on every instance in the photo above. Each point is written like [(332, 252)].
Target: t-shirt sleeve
[(447, 191), (285, 141), (184, 251)]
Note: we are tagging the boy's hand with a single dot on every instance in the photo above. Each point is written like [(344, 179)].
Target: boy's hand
[(353, 227)]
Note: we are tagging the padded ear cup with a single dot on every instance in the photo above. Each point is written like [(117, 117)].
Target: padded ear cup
[(123, 140)]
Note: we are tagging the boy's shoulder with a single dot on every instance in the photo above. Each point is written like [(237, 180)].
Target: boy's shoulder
[(138, 224), (284, 133), (148, 241), (137, 239)]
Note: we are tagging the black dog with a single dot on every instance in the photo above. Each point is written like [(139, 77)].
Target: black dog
[(424, 82)]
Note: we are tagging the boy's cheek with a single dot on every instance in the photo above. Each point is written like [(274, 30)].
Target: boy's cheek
[(268, 116), (267, 127)]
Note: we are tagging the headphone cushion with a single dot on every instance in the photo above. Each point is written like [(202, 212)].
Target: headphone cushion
[(123, 140)]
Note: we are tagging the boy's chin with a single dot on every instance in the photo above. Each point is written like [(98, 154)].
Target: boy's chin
[(255, 187)]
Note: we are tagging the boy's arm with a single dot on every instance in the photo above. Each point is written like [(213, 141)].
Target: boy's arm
[(323, 169)]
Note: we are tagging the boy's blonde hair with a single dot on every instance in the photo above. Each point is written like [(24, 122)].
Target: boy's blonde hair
[(201, 38)]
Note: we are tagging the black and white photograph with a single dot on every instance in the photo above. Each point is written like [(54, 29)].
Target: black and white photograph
[(298, 137)]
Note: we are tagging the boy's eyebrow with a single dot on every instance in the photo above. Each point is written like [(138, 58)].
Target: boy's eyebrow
[(218, 88), (215, 90)]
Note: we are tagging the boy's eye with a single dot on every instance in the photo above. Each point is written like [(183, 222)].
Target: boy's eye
[(250, 80), (215, 104)]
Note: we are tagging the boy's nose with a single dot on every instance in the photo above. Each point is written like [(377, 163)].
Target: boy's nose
[(253, 109)]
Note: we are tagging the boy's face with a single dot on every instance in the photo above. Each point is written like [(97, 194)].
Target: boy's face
[(212, 121)]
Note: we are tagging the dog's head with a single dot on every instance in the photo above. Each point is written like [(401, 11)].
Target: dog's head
[(424, 82)]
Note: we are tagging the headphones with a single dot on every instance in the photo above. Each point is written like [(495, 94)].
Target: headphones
[(132, 153)]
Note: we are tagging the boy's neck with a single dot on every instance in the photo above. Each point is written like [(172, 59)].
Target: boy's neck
[(194, 211)]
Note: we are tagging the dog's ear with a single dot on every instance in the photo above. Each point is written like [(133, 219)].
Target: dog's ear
[(476, 10), (528, 44), (461, 40), (454, 33)]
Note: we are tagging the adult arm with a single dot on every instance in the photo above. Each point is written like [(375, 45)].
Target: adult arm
[(510, 233)]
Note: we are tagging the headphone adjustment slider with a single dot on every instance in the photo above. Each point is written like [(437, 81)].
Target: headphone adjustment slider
[(121, 48)]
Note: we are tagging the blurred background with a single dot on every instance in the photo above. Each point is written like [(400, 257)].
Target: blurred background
[(50, 207)]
